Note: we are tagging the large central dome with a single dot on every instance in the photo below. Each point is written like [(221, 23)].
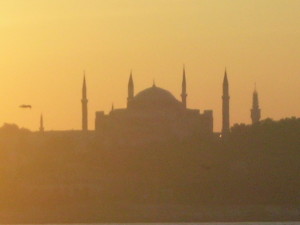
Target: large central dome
[(155, 98)]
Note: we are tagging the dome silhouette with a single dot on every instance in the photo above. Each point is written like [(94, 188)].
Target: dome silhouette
[(155, 98)]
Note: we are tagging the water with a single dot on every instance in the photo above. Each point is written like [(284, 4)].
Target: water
[(216, 223)]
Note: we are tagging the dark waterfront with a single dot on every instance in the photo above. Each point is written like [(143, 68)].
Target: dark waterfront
[(221, 223)]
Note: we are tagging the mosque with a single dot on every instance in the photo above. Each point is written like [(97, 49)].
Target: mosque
[(155, 114)]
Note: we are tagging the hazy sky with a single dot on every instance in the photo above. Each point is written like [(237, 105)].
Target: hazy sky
[(46, 44)]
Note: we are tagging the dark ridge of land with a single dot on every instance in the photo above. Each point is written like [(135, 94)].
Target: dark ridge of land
[(253, 174)]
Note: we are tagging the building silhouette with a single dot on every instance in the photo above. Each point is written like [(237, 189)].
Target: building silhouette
[(183, 92), (255, 111), (130, 90), (41, 124), (154, 114), (225, 106), (84, 102)]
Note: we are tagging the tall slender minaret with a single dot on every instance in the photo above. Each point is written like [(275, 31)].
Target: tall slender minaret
[(112, 107), (225, 106), (84, 102), (183, 89), (42, 124), (130, 90), (255, 111)]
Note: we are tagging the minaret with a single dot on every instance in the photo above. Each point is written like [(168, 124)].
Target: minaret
[(41, 124), (130, 90), (183, 90), (112, 107), (84, 102), (255, 111), (225, 106)]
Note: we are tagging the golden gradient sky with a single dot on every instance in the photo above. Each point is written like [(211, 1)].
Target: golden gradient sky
[(46, 44)]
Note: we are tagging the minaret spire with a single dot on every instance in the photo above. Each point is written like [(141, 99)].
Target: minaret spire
[(255, 111), (41, 124), (84, 102), (112, 107), (130, 89), (225, 106), (183, 88)]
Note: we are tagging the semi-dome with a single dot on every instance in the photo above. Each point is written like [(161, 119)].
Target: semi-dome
[(155, 98)]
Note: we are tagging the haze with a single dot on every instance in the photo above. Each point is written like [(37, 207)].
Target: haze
[(45, 46)]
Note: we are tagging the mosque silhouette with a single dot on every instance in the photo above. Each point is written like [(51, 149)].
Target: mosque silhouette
[(155, 114)]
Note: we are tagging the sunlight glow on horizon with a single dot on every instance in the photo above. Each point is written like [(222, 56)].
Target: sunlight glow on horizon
[(46, 45)]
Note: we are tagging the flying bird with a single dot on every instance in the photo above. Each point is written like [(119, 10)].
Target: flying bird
[(25, 106)]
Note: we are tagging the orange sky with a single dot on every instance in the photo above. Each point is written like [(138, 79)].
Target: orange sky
[(46, 44)]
